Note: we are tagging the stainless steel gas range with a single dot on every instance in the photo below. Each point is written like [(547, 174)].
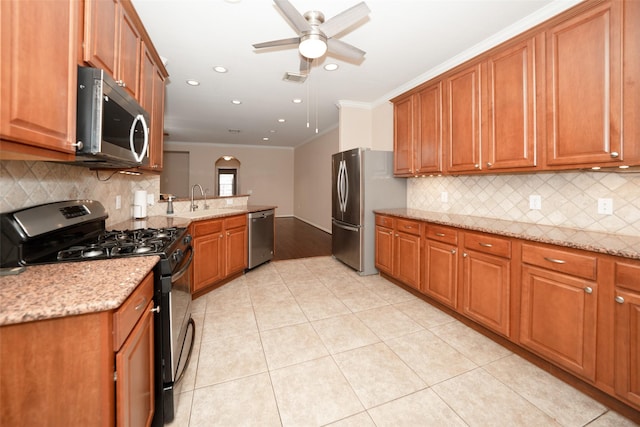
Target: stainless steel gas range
[(75, 231)]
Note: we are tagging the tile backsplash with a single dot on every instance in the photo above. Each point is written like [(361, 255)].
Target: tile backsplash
[(25, 184), (569, 199)]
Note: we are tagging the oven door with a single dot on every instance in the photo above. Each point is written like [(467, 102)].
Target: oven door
[(180, 312)]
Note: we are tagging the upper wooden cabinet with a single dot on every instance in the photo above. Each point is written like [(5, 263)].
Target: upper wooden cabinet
[(510, 107), (152, 100), (584, 88), (418, 133), (463, 120), (112, 42), (38, 45)]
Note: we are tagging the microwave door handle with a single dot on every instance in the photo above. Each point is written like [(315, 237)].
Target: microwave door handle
[(145, 131)]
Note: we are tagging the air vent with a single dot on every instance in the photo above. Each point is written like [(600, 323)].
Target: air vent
[(234, 130), (295, 77)]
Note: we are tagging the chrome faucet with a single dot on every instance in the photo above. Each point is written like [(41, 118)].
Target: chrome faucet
[(194, 206)]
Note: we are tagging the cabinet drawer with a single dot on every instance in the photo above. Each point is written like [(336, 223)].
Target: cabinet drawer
[(202, 228), (488, 244), (406, 226), (384, 221), (442, 234), (127, 315), (235, 222), (628, 276), (560, 260)]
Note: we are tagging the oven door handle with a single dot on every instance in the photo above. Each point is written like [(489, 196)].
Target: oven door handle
[(184, 269)]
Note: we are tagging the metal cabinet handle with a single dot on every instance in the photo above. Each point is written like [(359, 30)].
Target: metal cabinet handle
[(408, 226), (440, 234), (489, 164), (397, 235), (619, 299), (555, 261), (453, 251), (486, 245), (588, 289), (614, 154), (141, 304), (464, 254), (156, 310), (477, 166)]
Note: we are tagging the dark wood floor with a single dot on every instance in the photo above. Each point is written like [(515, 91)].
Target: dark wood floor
[(297, 239)]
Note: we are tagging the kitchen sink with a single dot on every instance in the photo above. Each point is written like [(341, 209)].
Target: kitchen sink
[(209, 213)]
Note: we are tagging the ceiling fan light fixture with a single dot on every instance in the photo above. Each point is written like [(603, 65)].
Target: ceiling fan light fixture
[(313, 46)]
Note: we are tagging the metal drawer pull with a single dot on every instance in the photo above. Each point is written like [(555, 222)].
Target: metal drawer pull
[(619, 299), (555, 261), (408, 226), (486, 245), (440, 234), (156, 310), (142, 304), (614, 154), (588, 289), (453, 251)]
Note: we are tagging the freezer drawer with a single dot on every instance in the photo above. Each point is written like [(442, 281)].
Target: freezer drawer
[(346, 244), (260, 237)]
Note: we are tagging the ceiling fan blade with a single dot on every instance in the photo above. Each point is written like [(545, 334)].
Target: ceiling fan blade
[(281, 42), (343, 49), (344, 19), (293, 16), (305, 64)]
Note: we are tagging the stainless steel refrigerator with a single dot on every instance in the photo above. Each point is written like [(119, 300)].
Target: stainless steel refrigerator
[(362, 181)]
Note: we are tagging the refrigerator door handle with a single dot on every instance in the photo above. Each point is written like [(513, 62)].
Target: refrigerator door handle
[(343, 226), (341, 186), (346, 185)]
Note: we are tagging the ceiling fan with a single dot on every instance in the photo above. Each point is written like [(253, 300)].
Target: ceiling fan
[(315, 37)]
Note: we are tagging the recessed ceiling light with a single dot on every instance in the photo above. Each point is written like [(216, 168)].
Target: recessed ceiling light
[(297, 101), (331, 67), (272, 131), (220, 69), (236, 101), (191, 82), (281, 120), (265, 138)]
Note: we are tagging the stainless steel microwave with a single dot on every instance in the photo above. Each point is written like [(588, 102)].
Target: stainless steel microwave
[(112, 129)]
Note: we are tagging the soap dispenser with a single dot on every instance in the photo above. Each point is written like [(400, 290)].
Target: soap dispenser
[(170, 205)]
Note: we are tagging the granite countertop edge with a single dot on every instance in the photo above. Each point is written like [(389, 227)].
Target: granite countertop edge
[(57, 290), (601, 242)]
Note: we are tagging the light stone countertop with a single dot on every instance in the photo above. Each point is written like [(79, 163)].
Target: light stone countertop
[(70, 288), (606, 243)]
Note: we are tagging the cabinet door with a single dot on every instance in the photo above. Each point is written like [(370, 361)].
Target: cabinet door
[(558, 319), (407, 257), (511, 102), (38, 77), (236, 249), (428, 146), (129, 55), (101, 34), (135, 375), (462, 132), (208, 262), (384, 249), (440, 273), (584, 88), (627, 346), (403, 137), (156, 159), (486, 290)]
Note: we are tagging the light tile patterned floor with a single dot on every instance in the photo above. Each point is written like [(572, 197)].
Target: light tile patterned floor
[(308, 342)]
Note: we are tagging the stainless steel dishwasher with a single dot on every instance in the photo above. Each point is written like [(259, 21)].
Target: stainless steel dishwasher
[(260, 237)]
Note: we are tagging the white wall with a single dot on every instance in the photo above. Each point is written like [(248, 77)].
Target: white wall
[(355, 125), (266, 173), (312, 180)]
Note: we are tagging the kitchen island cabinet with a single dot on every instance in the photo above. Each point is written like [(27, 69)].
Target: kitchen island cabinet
[(78, 358), (220, 251), (38, 123)]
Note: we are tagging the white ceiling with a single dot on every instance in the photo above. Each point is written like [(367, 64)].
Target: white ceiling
[(407, 42)]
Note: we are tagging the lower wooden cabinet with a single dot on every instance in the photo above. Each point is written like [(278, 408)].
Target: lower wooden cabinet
[(440, 264), (398, 249), (99, 367), (220, 250), (627, 331), (486, 281)]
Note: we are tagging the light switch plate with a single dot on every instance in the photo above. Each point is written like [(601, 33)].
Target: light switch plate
[(535, 202), (118, 202)]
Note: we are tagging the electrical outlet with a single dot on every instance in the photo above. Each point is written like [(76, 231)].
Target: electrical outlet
[(229, 201), (118, 202), (535, 202), (444, 197), (605, 206)]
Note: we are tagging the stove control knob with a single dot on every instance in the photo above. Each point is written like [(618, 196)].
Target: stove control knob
[(187, 239), (177, 255)]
